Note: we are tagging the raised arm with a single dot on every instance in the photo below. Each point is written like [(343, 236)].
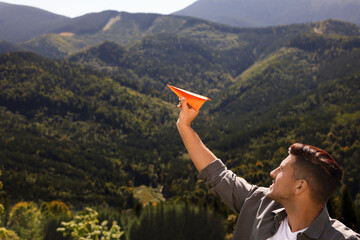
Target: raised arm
[(222, 182), (199, 153)]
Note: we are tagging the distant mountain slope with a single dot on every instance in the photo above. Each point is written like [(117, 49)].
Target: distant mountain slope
[(19, 23), (126, 29), (301, 65), (199, 60), (255, 13), (9, 47), (159, 60), (53, 45), (88, 23)]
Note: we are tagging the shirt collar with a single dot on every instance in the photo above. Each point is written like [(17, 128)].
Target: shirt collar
[(315, 229), (280, 215)]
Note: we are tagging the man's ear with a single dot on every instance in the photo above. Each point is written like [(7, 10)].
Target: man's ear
[(301, 186)]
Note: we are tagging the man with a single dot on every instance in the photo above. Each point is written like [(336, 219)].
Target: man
[(293, 207)]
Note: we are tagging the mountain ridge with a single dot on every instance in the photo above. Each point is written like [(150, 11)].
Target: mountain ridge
[(260, 13), (19, 23)]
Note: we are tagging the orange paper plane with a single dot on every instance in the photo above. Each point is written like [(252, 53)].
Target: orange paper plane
[(193, 99)]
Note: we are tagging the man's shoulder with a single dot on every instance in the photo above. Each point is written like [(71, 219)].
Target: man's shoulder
[(337, 230)]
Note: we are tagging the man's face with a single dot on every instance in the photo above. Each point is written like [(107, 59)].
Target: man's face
[(283, 187)]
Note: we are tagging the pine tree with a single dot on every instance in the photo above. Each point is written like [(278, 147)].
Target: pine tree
[(348, 210)]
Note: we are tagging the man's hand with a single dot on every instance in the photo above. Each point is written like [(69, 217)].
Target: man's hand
[(187, 114), (199, 153)]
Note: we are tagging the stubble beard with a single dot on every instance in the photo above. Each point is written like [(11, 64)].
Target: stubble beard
[(272, 194)]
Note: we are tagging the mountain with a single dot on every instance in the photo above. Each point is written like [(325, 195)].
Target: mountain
[(258, 13), (92, 29), (159, 60), (329, 50), (19, 23), (103, 21), (304, 63), (126, 29), (211, 64)]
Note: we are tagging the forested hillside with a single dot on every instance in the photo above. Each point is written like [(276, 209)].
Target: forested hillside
[(130, 28), (97, 128), (72, 134), (208, 58), (160, 60), (76, 133)]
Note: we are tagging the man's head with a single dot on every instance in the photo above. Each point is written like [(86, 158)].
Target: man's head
[(318, 168), (305, 166)]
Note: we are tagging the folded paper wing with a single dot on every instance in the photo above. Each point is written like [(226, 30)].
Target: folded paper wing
[(193, 99)]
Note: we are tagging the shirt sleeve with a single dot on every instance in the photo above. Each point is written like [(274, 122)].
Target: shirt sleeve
[(232, 190)]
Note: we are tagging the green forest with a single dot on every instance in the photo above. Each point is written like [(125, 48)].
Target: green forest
[(91, 136)]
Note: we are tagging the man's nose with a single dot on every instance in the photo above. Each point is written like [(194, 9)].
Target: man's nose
[(273, 173)]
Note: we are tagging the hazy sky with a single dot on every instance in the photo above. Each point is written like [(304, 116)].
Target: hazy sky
[(75, 8)]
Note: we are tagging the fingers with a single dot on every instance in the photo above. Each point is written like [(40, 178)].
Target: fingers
[(183, 102)]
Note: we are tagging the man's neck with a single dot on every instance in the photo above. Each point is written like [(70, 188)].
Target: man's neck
[(301, 216)]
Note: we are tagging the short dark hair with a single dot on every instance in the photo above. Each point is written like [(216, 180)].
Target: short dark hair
[(318, 168)]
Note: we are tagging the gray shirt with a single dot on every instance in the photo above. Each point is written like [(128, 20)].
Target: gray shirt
[(259, 217)]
